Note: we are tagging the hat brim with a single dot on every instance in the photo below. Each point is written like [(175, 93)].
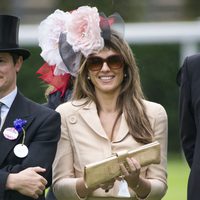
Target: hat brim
[(22, 52)]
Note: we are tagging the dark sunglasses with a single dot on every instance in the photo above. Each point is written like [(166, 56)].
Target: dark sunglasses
[(95, 63)]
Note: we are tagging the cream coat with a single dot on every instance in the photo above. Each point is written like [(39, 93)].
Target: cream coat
[(83, 141)]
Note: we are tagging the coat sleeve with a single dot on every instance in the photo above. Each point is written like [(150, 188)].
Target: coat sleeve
[(64, 178), (157, 173), (186, 115), (44, 133)]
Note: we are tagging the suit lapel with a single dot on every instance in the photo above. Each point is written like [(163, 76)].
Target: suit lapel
[(18, 110)]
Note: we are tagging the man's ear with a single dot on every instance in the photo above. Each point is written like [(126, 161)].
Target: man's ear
[(19, 64)]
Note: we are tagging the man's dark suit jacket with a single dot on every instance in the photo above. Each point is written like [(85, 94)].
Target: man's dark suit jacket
[(54, 100), (190, 121), (42, 134)]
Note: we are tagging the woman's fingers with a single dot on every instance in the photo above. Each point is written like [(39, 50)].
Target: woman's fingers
[(107, 185), (130, 169), (133, 165)]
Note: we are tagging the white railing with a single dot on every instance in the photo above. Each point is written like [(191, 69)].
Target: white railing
[(187, 34)]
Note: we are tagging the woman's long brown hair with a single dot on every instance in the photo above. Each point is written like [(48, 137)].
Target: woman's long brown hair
[(131, 97)]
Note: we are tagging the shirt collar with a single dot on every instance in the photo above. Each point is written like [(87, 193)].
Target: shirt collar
[(8, 99)]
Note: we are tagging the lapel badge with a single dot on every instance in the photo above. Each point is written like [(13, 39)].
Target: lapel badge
[(21, 150), (10, 133)]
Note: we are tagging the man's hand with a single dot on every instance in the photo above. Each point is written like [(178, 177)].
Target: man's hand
[(28, 182)]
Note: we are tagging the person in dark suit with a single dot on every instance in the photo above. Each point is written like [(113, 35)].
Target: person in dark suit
[(188, 78), (53, 101), (59, 90), (29, 131)]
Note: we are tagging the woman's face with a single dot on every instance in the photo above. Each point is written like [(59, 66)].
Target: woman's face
[(106, 71)]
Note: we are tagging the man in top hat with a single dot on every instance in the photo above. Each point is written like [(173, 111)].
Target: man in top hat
[(29, 131)]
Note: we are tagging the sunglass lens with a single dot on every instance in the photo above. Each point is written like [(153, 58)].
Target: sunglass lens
[(94, 63), (115, 62)]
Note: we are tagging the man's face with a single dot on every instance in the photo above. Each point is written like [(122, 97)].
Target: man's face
[(8, 73)]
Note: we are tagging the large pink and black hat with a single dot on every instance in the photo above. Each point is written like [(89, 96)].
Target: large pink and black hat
[(9, 30)]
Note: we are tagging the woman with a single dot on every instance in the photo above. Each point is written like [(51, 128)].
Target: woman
[(107, 114)]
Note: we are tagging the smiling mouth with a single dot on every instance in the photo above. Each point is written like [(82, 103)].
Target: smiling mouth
[(106, 78)]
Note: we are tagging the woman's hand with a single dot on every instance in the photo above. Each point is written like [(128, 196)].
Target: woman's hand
[(107, 185), (130, 171), (83, 192)]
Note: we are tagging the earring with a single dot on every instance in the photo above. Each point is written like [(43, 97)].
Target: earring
[(88, 78), (125, 75)]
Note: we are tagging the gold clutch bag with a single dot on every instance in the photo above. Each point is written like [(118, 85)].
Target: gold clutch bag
[(107, 169)]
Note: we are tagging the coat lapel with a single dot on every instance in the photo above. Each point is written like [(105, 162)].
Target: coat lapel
[(18, 110), (90, 116), (123, 130)]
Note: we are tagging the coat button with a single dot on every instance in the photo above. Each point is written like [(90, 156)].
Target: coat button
[(72, 119)]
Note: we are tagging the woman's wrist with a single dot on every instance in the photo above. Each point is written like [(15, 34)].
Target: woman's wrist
[(142, 187), (136, 186), (81, 188)]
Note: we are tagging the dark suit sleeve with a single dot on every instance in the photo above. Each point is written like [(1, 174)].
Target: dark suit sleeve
[(44, 133), (186, 115), (3, 179)]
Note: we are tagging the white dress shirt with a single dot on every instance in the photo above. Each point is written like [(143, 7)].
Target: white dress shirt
[(7, 102)]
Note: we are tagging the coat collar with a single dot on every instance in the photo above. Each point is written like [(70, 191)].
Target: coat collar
[(90, 116)]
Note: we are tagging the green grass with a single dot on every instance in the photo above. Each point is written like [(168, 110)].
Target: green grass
[(178, 172)]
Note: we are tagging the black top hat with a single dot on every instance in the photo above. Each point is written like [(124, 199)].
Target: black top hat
[(9, 30)]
